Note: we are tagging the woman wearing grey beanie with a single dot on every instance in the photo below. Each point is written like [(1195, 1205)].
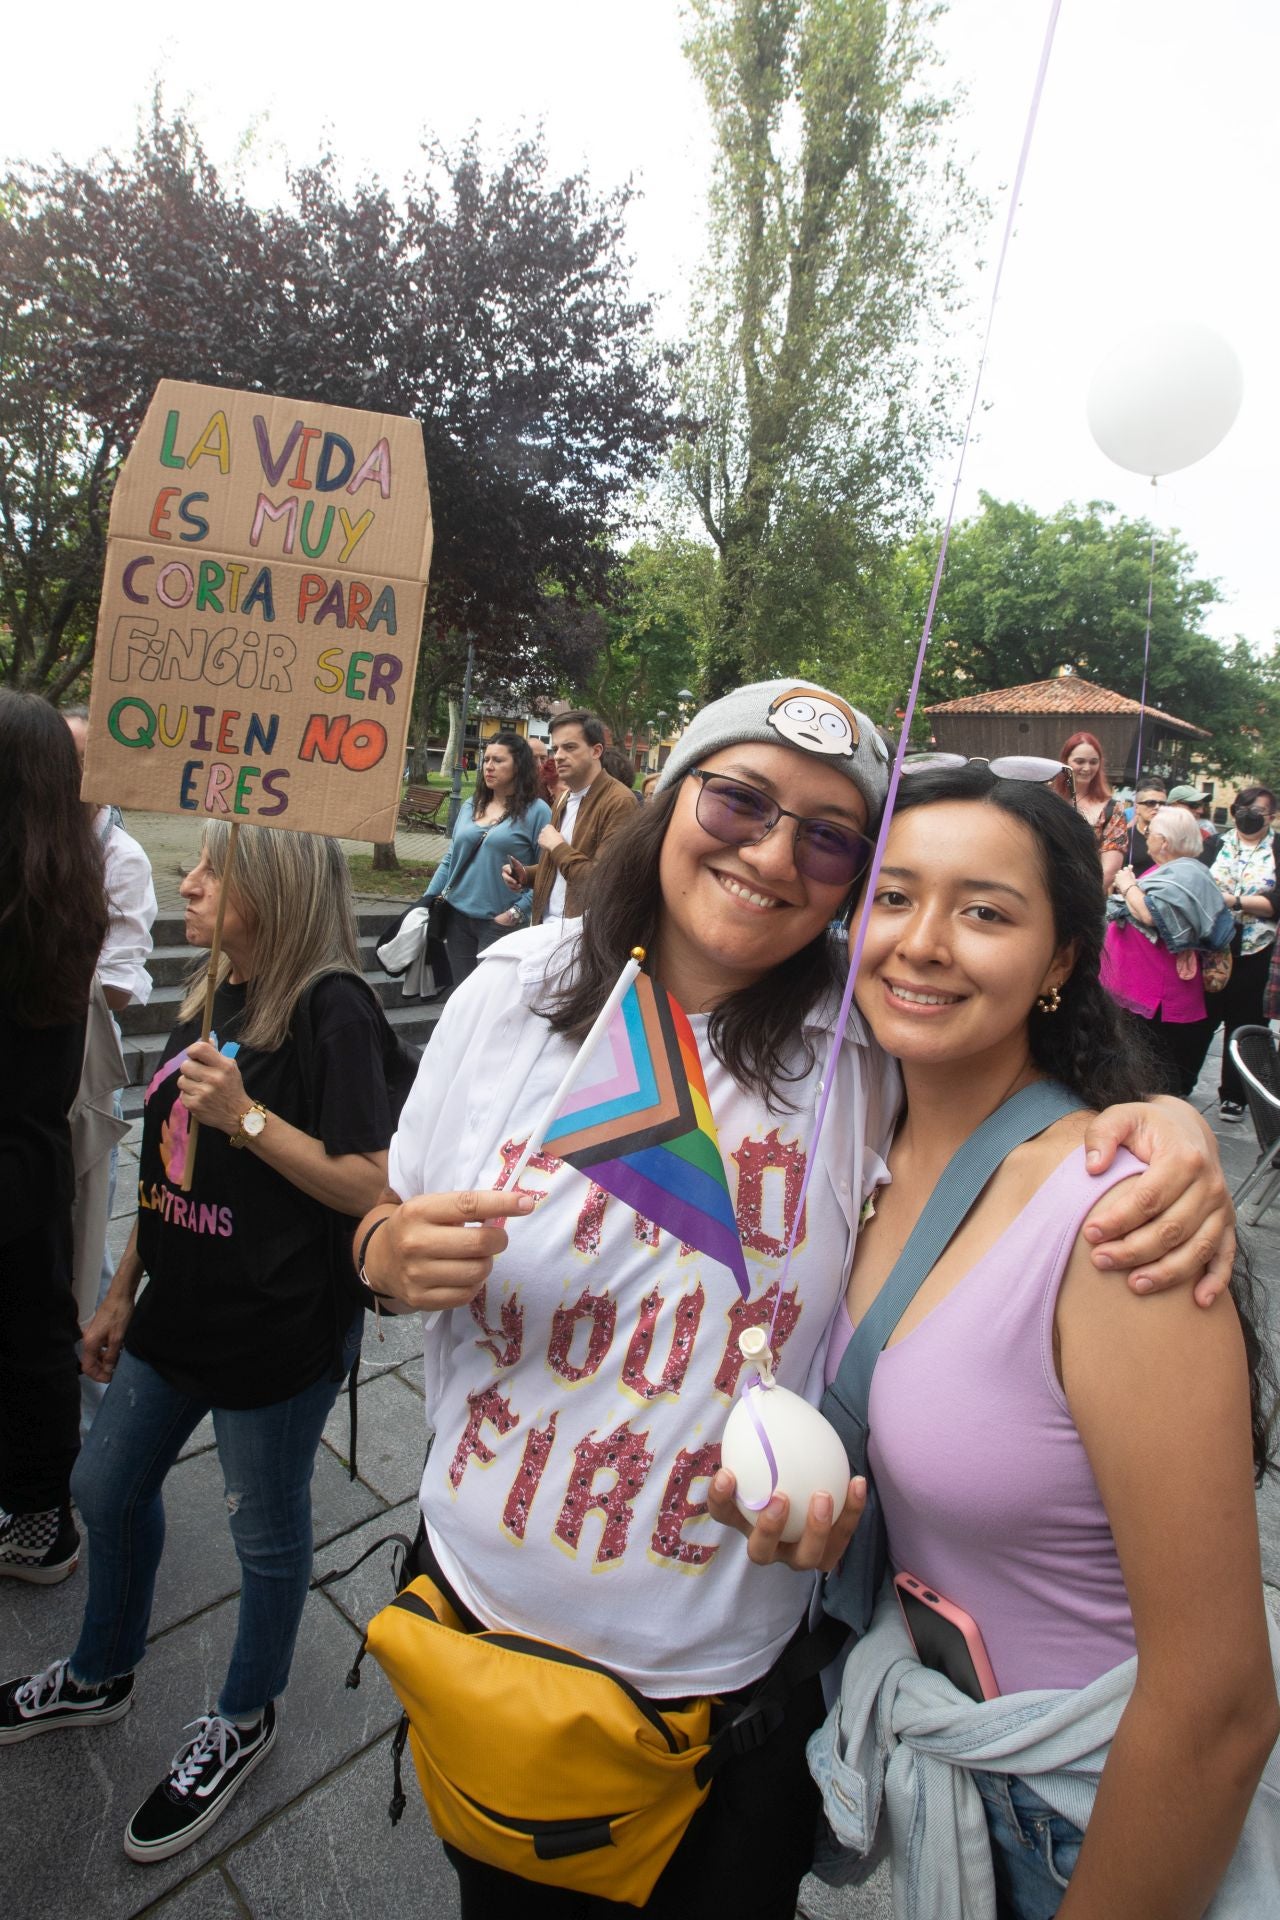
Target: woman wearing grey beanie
[(580, 1363)]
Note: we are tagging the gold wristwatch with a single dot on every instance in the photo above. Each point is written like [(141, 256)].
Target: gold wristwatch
[(251, 1125)]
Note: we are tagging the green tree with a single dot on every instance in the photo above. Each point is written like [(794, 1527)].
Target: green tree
[(834, 208), (491, 302), (56, 473), (1026, 593), (653, 635)]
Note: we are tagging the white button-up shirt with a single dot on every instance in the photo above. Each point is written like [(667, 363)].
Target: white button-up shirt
[(131, 908)]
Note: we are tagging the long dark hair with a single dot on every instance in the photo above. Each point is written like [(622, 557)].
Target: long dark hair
[(1090, 1044), (53, 909), (525, 788), (757, 1032)]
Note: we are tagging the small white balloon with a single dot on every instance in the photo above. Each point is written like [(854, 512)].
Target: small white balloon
[(809, 1452), (1165, 397)]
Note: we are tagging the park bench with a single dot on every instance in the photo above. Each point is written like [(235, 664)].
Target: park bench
[(421, 807)]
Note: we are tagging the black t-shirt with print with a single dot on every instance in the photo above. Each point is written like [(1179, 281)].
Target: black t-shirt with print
[(242, 1306)]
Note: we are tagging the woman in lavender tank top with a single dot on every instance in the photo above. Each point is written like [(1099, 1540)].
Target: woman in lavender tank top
[(1070, 1465)]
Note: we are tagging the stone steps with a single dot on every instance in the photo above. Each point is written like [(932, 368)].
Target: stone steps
[(160, 1015), (146, 1029), (169, 965)]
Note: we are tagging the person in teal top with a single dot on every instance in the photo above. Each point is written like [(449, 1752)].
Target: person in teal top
[(500, 822)]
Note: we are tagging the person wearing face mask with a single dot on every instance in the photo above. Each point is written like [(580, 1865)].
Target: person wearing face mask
[(1244, 871), (1213, 839)]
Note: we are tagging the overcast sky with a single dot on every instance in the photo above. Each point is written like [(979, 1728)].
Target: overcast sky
[(1151, 192)]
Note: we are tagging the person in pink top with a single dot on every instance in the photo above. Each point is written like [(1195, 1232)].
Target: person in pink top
[(1071, 1468), (1158, 924)]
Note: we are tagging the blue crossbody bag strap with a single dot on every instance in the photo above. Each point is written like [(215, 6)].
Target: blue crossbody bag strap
[(970, 1167), (851, 1590)]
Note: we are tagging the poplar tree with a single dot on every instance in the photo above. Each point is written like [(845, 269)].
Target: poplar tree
[(834, 206)]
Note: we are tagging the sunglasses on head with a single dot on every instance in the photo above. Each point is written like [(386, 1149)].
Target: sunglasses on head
[(1010, 766), (740, 815)]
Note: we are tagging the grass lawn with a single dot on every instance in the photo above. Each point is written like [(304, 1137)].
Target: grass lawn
[(445, 780), (406, 883)]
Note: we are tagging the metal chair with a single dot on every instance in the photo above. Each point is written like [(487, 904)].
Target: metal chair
[(1254, 1051)]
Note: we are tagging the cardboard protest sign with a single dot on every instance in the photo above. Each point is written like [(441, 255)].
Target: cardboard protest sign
[(261, 611)]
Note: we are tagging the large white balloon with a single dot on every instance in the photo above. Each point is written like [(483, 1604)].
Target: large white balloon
[(1165, 397)]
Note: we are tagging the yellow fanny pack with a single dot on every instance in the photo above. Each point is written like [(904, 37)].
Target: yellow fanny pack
[(538, 1761)]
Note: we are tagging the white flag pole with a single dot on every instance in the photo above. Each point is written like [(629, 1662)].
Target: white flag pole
[(577, 1064)]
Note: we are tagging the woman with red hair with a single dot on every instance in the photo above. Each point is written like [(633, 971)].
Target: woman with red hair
[(1090, 790)]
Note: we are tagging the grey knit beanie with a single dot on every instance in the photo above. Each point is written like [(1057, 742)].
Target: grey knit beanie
[(789, 713)]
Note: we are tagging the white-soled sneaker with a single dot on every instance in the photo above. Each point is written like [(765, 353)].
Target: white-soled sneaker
[(205, 1776), (52, 1699)]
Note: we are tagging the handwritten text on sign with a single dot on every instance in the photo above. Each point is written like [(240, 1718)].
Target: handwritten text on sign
[(270, 549)]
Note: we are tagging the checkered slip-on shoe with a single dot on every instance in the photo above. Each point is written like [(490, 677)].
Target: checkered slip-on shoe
[(42, 1548)]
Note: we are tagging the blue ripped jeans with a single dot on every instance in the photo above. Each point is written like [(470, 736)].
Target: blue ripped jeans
[(268, 1456), (1033, 1849)]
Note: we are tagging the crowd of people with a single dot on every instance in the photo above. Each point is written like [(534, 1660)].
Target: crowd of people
[(1066, 1421), (1188, 958)]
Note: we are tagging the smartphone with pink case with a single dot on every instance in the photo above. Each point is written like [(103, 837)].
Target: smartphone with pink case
[(946, 1638)]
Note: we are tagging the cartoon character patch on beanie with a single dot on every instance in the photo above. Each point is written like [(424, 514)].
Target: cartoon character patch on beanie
[(817, 722)]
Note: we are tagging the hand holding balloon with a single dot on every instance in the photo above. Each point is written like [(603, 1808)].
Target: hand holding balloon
[(784, 1472), (822, 1537)]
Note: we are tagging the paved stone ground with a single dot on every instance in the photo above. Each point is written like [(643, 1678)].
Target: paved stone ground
[(309, 1834)]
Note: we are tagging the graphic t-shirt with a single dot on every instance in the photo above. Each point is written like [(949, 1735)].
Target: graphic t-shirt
[(242, 1307), (578, 1404)]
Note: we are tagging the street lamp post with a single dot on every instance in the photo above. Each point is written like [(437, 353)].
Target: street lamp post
[(455, 782)]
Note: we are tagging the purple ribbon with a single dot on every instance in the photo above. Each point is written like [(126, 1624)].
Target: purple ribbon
[(754, 1386), (877, 860)]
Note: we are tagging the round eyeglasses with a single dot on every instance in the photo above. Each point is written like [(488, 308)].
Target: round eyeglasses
[(740, 815), (1010, 766)]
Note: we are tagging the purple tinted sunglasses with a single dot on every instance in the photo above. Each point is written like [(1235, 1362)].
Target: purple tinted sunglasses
[(740, 815)]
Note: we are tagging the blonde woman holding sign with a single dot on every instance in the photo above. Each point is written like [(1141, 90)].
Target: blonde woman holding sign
[(246, 1314)]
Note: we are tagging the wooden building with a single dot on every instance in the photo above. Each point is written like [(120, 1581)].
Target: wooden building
[(1039, 717)]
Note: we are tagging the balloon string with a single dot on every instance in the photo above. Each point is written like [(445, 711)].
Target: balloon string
[(1142, 697), (755, 1386), (877, 859)]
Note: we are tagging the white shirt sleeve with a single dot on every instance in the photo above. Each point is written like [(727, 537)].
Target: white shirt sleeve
[(131, 908)]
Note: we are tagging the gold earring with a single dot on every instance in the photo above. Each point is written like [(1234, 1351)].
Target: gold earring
[(1049, 1001)]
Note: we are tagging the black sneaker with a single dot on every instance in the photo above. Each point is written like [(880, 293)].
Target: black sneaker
[(52, 1699), (205, 1775), (40, 1547), (1231, 1110)]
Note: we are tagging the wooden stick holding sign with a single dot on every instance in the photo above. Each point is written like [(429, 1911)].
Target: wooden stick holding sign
[(210, 989)]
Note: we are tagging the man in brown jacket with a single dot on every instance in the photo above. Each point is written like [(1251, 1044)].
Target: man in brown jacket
[(589, 809)]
